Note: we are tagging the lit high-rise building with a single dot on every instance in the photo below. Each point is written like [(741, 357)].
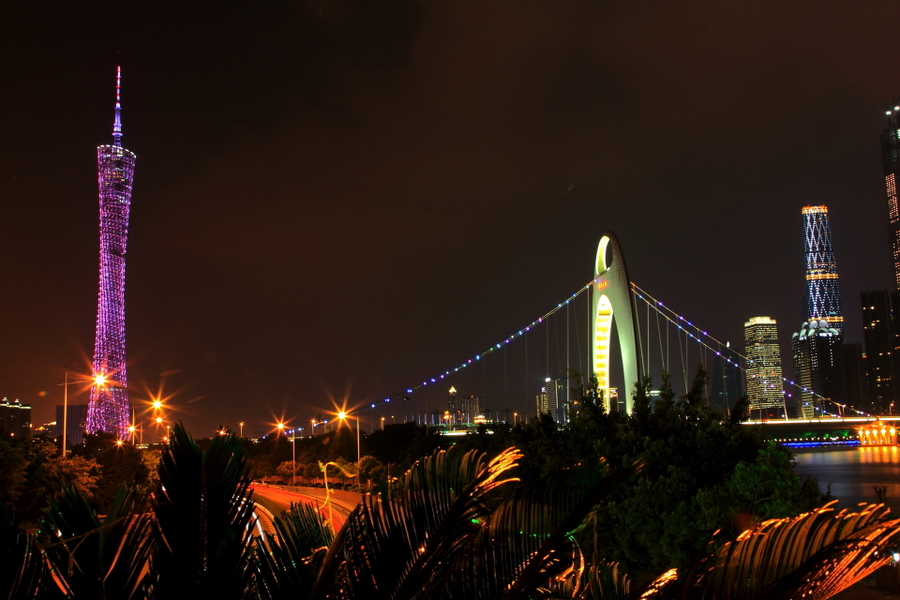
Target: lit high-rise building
[(890, 160), (15, 419), (881, 330), (551, 400), (819, 368), (765, 390), (108, 410), (823, 292)]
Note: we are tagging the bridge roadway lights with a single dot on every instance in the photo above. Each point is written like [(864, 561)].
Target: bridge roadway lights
[(611, 303)]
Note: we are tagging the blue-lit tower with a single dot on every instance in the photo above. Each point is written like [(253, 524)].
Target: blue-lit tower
[(822, 286), (108, 409)]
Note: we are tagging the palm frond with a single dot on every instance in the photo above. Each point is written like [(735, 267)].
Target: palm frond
[(392, 545), (23, 572), (205, 516), (814, 556), (603, 581), (288, 565), (525, 548), (104, 558)]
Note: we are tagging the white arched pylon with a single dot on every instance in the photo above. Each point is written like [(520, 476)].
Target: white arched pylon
[(611, 301)]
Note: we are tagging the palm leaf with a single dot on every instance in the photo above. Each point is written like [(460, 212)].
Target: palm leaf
[(603, 581), (288, 564), (525, 548), (106, 558), (813, 556), (392, 545), (23, 572), (205, 516)]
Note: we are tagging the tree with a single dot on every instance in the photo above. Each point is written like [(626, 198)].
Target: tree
[(695, 463), (370, 470), (204, 513), (457, 524), (288, 470), (32, 473), (120, 465)]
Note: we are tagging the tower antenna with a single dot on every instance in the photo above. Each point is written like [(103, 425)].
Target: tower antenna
[(117, 126)]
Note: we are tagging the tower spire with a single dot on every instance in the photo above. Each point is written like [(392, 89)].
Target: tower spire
[(117, 126)]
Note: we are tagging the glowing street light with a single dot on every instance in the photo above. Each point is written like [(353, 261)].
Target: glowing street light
[(343, 417), (242, 429)]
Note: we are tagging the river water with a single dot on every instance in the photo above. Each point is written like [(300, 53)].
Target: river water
[(853, 472)]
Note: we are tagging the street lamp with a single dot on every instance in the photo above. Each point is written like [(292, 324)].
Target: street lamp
[(343, 417), (65, 426), (242, 429), (293, 458)]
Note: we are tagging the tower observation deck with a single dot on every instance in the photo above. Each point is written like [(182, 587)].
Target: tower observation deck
[(109, 407)]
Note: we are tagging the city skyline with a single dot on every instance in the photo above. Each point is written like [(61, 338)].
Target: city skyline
[(336, 202)]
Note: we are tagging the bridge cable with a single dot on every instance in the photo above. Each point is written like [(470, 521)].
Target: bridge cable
[(663, 309)]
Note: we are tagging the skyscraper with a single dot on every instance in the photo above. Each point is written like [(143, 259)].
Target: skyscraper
[(819, 368), (764, 383), (890, 160), (881, 330), (551, 399), (823, 292), (108, 408)]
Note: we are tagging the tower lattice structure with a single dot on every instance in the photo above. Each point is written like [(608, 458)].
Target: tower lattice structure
[(108, 409), (822, 285)]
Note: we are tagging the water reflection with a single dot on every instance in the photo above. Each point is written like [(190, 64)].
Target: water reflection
[(854, 472)]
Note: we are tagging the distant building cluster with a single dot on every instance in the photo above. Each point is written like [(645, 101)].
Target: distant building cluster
[(15, 419), (552, 399), (830, 374)]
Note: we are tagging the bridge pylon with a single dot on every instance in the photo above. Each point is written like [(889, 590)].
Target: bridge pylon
[(611, 303)]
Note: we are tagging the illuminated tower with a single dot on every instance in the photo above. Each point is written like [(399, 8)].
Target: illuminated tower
[(890, 160), (764, 385), (108, 409), (823, 292)]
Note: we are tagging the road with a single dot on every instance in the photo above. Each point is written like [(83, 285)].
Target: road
[(340, 507)]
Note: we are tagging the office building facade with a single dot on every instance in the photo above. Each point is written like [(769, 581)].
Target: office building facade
[(818, 369), (15, 419), (881, 334), (765, 389), (890, 159)]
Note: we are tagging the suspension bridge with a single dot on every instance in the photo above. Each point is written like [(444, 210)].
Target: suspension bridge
[(610, 327)]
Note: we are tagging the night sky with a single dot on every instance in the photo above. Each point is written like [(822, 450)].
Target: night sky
[(338, 199)]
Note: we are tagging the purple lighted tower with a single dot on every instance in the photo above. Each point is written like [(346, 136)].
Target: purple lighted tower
[(108, 409)]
